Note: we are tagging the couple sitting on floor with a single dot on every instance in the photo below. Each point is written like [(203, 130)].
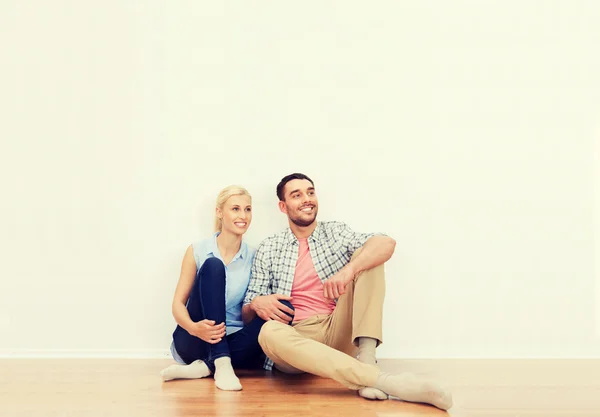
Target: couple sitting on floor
[(310, 298)]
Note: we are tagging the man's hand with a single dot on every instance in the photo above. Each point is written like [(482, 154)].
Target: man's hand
[(268, 307), (208, 331), (336, 285)]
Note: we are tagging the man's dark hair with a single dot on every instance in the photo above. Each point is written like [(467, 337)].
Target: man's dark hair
[(288, 178)]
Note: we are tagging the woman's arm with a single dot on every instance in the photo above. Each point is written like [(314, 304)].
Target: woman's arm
[(182, 292)]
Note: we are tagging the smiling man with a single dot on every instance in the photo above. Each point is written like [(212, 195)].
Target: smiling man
[(334, 279)]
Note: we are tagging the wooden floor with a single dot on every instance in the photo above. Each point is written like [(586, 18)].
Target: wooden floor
[(130, 388)]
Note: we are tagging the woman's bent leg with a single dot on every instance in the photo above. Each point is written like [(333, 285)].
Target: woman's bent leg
[(206, 302)]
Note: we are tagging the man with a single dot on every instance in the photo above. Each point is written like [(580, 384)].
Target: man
[(335, 280)]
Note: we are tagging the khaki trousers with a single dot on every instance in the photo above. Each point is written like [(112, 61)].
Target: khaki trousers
[(327, 345)]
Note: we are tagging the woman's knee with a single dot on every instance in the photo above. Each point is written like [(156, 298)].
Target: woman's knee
[(211, 277), (213, 266), (289, 305)]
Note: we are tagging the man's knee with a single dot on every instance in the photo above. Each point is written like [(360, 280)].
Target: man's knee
[(272, 331), (268, 332), (378, 270), (271, 336)]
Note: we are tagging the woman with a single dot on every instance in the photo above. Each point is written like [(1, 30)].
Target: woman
[(210, 337)]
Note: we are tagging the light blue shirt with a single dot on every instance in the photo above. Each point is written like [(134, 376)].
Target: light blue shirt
[(237, 277)]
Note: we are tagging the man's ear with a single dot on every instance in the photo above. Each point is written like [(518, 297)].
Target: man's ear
[(282, 207)]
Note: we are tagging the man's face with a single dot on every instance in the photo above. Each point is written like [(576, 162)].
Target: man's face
[(300, 202)]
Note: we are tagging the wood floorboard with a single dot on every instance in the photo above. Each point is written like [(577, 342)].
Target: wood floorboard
[(132, 387)]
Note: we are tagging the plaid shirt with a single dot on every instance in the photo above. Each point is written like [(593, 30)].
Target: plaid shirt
[(331, 246)]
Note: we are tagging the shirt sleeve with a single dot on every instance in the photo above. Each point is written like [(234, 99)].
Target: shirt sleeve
[(260, 276), (351, 240)]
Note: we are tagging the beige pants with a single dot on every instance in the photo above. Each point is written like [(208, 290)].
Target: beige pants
[(326, 345)]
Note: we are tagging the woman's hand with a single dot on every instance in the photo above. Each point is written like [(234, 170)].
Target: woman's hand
[(208, 331)]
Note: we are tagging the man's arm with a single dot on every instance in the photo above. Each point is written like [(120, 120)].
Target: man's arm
[(258, 285), (375, 250), (259, 301)]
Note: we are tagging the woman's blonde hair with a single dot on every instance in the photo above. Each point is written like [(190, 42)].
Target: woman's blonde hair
[(223, 197)]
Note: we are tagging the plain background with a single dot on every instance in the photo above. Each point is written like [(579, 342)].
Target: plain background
[(467, 130)]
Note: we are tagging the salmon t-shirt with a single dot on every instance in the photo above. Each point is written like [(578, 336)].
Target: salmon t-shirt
[(307, 289)]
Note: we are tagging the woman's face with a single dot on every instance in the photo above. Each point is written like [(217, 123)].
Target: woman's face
[(236, 214)]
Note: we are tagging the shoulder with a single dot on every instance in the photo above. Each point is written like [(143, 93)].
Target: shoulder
[(273, 243), (334, 229), (333, 225), (275, 239), (200, 247), (200, 250)]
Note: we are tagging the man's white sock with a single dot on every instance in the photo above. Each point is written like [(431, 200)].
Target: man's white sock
[(366, 354), (409, 387)]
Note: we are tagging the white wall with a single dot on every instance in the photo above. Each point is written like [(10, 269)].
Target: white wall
[(597, 226), (464, 129)]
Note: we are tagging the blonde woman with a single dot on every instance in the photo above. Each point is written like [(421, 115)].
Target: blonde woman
[(210, 337)]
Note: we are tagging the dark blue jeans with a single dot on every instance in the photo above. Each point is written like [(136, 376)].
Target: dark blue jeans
[(207, 301)]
